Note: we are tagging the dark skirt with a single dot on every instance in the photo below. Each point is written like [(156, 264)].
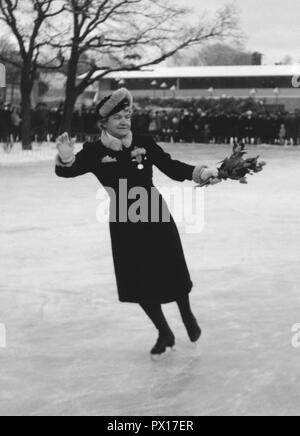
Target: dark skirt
[(149, 261)]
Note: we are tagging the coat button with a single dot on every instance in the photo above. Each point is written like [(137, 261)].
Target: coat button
[(140, 167)]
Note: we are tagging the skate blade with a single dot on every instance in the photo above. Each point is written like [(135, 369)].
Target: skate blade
[(159, 357), (196, 344), (195, 349)]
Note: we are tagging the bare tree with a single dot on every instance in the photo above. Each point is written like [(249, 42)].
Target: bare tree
[(215, 54), (26, 20), (125, 35)]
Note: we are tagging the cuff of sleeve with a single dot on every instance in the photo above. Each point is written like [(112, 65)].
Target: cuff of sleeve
[(197, 173), (60, 163)]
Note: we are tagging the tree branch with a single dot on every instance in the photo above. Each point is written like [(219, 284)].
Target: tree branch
[(8, 9), (10, 61)]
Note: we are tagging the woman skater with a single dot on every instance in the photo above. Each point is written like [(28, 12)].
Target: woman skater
[(149, 262)]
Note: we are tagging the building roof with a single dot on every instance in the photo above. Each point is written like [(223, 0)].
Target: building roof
[(218, 71)]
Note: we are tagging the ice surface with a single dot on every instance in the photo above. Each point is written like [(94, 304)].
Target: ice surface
[(73, 349)]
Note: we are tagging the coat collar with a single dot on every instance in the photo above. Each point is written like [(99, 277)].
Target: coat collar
[(116, 144)]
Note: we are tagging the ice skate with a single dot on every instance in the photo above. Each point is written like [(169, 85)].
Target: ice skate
[(193, 330), (164, 345)]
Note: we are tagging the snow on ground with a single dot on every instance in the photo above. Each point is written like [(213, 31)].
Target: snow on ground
[(73, 349), (39, 153)]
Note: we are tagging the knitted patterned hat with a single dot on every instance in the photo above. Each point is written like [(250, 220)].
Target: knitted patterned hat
[(114, 103)]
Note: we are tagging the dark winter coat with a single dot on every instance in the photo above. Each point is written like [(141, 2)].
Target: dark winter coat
[(148, 257)]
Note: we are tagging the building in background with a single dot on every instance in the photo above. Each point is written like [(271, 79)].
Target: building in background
[(271, 84)]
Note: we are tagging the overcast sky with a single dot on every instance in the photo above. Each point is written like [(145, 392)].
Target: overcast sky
[(271, 26)]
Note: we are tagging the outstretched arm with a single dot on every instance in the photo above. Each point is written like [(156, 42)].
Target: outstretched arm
[(178, 170)]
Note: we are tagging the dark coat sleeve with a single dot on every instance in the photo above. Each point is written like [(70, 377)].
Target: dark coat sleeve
[(81, 165), (174, 169)]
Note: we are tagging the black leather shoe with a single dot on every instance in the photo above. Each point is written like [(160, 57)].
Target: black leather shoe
[(193, 329), (163, 346)]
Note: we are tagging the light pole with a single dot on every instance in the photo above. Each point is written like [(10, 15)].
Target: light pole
[(276, 93), (154, 85), (164, 86), (253, 93), (173, 89), (211, 92)]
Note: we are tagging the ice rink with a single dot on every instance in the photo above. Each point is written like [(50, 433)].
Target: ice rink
[(73, 349)]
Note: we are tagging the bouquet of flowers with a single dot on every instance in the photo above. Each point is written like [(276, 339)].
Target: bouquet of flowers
[(237, 167)]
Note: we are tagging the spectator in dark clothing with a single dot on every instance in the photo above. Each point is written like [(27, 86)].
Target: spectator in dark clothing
[(193, 122), (16, 120), (5, 123), (41, 122)]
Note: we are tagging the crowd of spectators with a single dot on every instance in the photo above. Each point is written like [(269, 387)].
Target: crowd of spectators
[(194, 124), (220, 127)]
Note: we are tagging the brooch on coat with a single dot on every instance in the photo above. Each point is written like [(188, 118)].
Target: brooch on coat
[(137, 155), (109, 159)]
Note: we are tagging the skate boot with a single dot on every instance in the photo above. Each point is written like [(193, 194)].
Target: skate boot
[(164, 345), (193, 330)]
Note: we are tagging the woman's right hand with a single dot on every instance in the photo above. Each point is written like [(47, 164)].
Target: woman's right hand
[(211, 175), (65, 147)]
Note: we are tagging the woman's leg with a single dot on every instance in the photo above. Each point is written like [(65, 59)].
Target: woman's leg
[(188, 318), (155, 313), (166, 339)]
